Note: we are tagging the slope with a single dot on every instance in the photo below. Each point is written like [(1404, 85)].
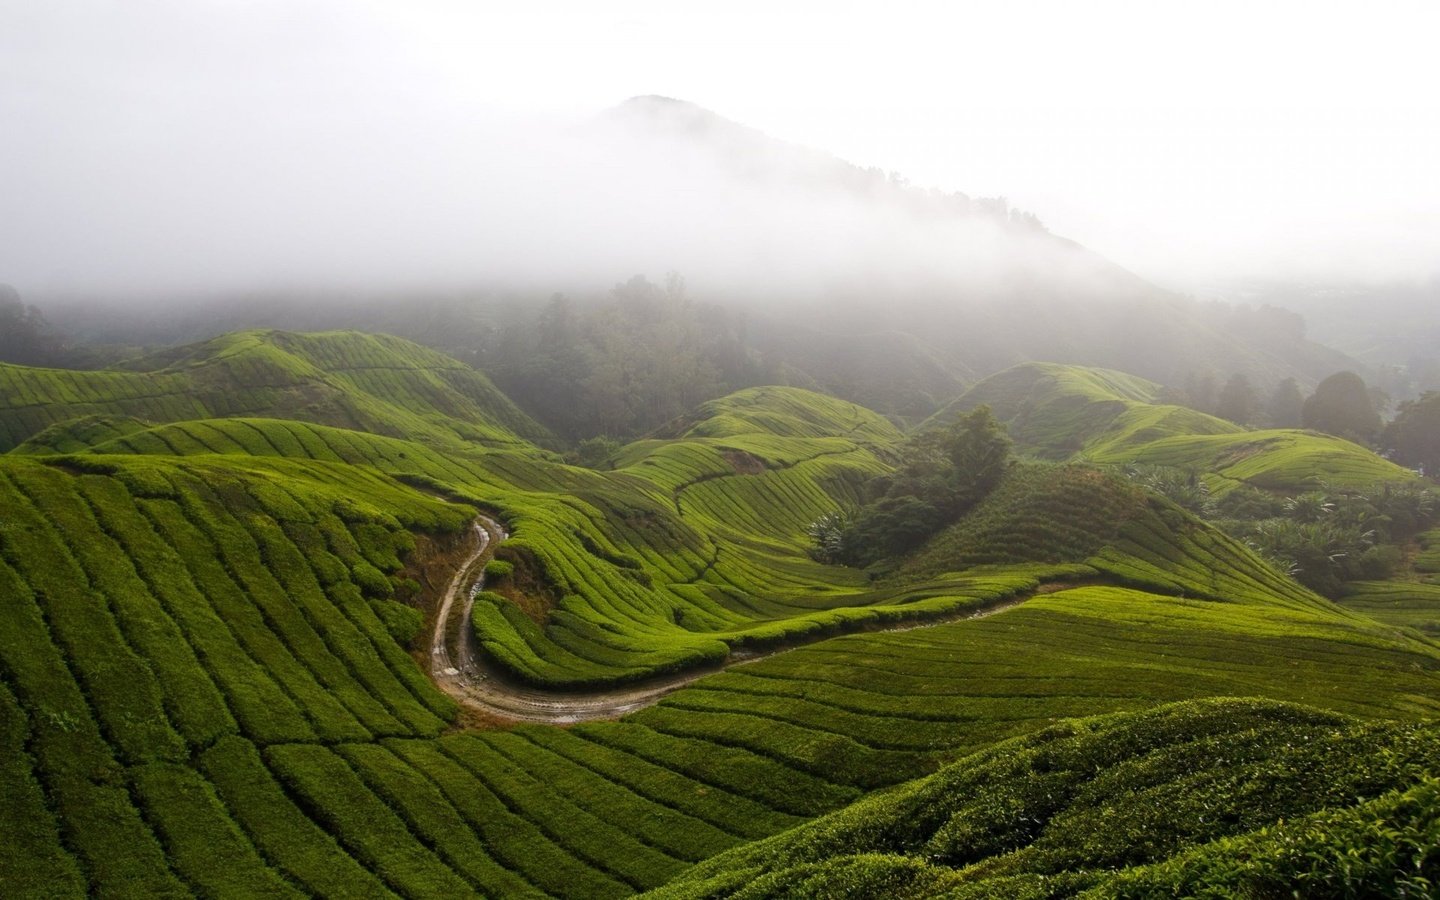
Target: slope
[(1061, 412), (205, 689), (693, 547), (208, 696), (372, 383), (1183, 800)]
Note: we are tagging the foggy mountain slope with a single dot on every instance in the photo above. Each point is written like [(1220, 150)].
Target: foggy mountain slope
[(852, 280), (983, 284), (895, 371)]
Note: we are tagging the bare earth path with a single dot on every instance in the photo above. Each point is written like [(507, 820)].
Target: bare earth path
[(460, 671)]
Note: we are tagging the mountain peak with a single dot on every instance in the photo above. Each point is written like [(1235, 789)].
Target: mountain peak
[(674, 116)]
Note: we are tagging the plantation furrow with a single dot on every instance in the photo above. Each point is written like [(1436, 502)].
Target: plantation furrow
[(681, 837), (32, 857), (733, 814), (595, 843)]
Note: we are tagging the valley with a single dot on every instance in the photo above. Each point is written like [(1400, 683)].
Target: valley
[(315, 615)]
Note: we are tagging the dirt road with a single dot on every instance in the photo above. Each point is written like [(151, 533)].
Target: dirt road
[(460, 671)]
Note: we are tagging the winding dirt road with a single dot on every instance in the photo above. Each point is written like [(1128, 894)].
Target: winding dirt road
[(460, 671)]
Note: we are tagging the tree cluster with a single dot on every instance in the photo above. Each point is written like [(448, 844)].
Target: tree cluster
[(1414, 435), (25, 337), (1343, 406), (942, 474), (625, 366), (1322, 538), (1239, 401), (1327, 538)]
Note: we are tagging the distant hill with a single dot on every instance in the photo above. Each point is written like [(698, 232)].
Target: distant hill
[(371, 383), (1062, 412), (848, 280), (975, 284)]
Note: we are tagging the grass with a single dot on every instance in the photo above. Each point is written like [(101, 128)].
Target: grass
[(1055, 411), (1276, 460)]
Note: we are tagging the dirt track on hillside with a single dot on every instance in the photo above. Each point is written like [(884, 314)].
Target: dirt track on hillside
[(462, 672)]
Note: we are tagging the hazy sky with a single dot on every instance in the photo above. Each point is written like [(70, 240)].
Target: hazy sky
[(159, 141)]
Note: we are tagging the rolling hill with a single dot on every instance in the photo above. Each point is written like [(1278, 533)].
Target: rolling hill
[(370, 383), (1206, 798), (1070, 412), (216, 627)]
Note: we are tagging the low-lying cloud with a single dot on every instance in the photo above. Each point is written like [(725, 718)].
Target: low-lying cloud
[(165, 147)]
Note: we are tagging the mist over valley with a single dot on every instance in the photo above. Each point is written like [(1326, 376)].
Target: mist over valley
[(426, 473)]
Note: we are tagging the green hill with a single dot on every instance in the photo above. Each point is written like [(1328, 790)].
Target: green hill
[(366, 382), (1054, 411), (210, 682), (1063, 412), (204, 693), (1228, 798)]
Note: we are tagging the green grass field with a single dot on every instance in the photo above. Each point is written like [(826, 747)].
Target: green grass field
[(208, 686)]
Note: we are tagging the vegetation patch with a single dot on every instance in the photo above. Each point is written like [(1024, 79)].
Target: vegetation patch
[(1130, 805)]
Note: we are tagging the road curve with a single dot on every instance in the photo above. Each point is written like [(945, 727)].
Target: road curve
[(460, 671)]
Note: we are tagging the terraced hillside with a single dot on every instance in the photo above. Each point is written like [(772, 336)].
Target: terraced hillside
[(211, 677), (1218, 798), (691, 547), (371, 383), (1062, 412)]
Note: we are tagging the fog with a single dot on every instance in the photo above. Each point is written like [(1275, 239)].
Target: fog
[(161, 148)]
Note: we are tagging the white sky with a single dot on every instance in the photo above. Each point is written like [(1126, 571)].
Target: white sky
[(1191, 141)]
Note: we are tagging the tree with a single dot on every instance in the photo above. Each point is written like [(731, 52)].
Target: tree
[(1200, 391), (978, 449), (1283, 408), (25, 336), (941, 475), (1414, 436), (892, 527), (1237, 401), (1341, 405), (828, 536)]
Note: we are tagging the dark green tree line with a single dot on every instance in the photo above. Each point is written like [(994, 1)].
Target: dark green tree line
[(25, 337), (942, 474), (625, 366)]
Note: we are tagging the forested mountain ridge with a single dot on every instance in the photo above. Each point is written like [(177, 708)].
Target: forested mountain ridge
[(798, 268)]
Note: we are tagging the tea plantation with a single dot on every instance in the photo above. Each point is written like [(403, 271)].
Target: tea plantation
[(1063, 412), (219, 569)]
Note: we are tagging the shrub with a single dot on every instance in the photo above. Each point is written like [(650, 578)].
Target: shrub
[(371, 580), (402, 622)]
